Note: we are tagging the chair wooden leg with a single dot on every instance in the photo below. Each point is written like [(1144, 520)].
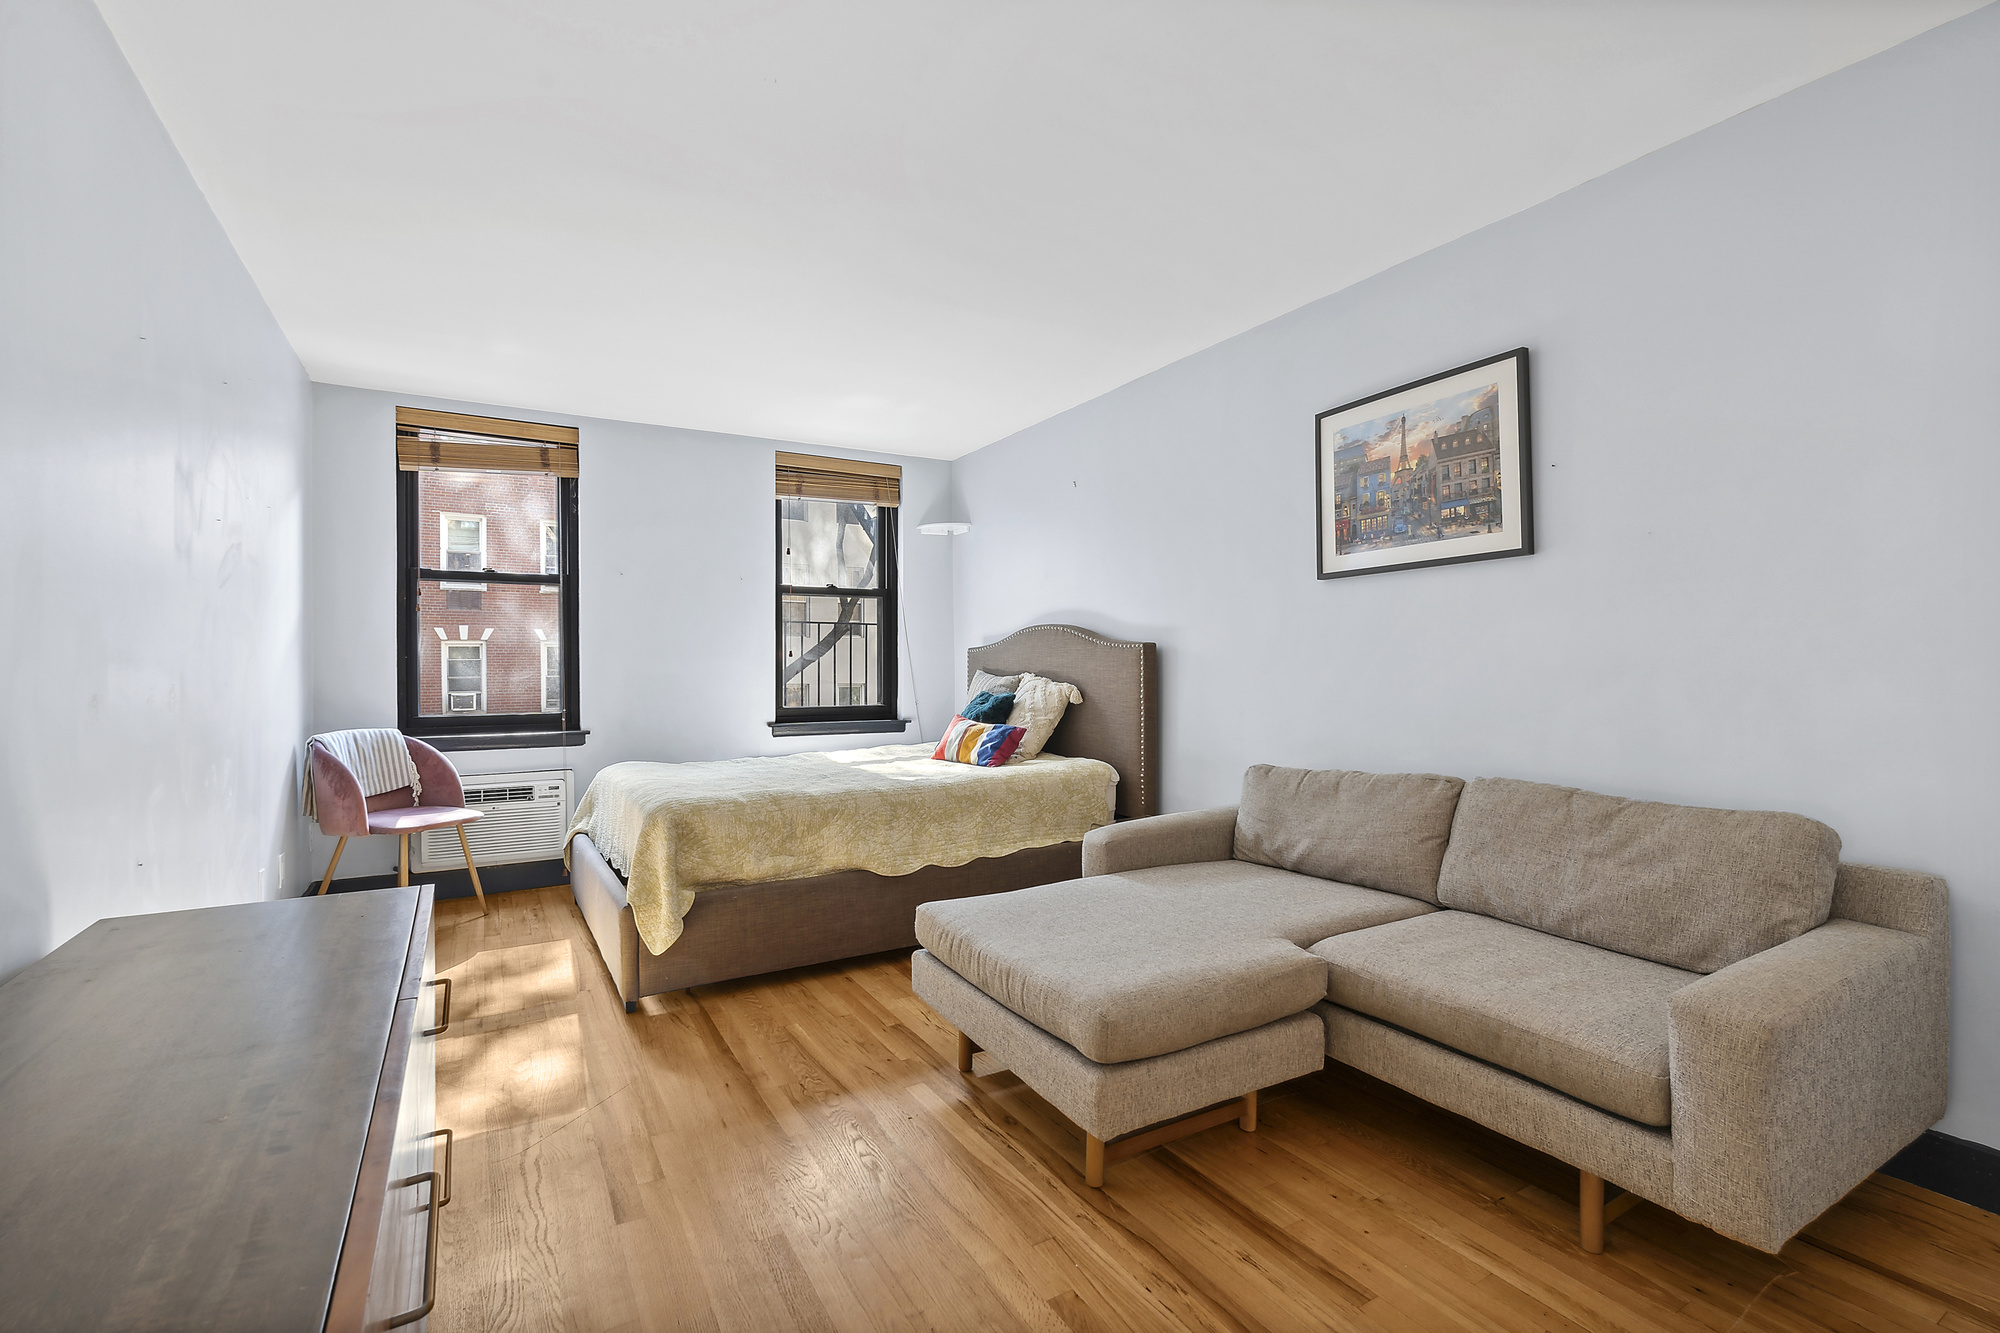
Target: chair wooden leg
[(1093, 1161), (967, 1047), (326, 880), (403, 868), (1590, 1203), (1247, 1122), (472, 869)]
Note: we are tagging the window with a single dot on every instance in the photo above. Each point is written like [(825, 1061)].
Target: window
[(464, 541), (551, 551), (551, 676), (464, 677), (491, 662), (836, 595)]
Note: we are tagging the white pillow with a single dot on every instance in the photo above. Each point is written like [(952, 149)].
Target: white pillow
[(1039, 704), (986, 683)]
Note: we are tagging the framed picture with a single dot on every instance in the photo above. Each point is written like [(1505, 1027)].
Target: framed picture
[(1432, 473)]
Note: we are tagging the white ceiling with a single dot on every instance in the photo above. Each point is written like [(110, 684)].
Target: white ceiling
[(907, 225)]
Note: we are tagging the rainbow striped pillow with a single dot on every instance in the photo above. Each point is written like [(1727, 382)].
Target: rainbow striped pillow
[(987, 744)]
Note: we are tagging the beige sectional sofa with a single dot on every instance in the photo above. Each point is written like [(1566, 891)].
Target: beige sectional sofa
[(1706, 1008)]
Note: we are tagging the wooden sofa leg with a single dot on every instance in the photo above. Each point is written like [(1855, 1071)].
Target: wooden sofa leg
[(1247, 1122), (1093, 1161), (967, 1048), (1590, 1203)]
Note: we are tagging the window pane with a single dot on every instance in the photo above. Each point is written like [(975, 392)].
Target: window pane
[(484, 520), (833, 651), (830, 543), (496, 657)]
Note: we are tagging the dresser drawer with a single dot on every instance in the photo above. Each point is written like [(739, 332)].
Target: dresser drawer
[(405, 1175)]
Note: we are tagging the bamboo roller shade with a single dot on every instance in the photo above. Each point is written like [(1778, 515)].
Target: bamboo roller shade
[(496, 445), (809, 477)]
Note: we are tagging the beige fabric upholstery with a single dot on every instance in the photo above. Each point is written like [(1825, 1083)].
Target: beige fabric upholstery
[(1163, 840), (1119, 719), (1379, 830), (1897, 899), (1691, 888), (1123, 967), (1109, 1100), (1637, 1157), (1799, 1071), (1581, 1019)]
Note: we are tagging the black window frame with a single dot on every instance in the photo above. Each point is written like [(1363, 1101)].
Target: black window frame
[(484, 730), (840, 719)]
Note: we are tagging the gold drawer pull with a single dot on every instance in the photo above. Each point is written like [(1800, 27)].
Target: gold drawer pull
[(444, 1008), (430, 1254), (447, 1164)]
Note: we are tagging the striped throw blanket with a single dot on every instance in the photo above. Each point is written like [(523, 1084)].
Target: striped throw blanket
[(376, 756)]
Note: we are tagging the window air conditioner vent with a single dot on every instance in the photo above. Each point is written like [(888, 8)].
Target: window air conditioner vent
[(462, 702), (499, 795), (523, 817)]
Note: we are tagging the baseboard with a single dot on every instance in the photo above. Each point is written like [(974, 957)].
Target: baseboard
[(1956, 1168), (458, 884)]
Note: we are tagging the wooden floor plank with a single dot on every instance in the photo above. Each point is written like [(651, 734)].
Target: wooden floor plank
[(799, 1151)]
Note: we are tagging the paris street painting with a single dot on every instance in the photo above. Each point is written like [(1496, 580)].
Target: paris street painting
[(1432, 473)]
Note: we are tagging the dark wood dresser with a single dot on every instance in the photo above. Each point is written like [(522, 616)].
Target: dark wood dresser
[(224, 1119)]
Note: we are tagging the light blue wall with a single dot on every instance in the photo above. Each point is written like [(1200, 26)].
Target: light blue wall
[(676, 557), (153, 425), (1767, 448)]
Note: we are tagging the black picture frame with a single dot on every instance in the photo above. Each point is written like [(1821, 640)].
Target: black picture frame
[(1392, 517)]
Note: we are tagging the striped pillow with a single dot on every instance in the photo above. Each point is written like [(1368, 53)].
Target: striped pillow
[(987, 744)]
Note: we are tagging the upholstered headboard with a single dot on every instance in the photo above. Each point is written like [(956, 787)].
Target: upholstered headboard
[(1119, 718)]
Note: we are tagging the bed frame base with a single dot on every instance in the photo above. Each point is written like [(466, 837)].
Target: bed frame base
[(745, 930)]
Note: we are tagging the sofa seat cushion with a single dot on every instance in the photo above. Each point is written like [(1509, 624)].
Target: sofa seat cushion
[(1580, 1019), (1134, 965)]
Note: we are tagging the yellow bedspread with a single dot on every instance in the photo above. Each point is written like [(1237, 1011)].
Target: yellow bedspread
[(674, 829)]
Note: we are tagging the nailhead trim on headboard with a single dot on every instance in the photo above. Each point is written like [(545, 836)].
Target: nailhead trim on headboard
[(1145, 774)]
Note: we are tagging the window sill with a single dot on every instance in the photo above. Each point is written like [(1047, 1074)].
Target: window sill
[(505, 740), (851, 728)]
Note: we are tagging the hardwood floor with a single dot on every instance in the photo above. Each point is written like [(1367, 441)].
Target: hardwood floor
[(799, 1151)]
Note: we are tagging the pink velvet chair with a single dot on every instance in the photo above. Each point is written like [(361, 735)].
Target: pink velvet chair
[(343, 812)]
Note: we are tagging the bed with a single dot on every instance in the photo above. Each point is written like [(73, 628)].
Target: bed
[(739, 929)]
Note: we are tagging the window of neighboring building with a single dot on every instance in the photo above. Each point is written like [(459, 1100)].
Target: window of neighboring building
[(464, 541), (464, 676), (551, 550), (551, 677), (836, 594), (493, 661)]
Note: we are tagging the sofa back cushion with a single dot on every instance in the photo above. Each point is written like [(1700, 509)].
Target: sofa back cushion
[(1692, 888), (1379, 830)]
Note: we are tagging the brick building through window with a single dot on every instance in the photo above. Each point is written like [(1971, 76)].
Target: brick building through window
[(486, 539)]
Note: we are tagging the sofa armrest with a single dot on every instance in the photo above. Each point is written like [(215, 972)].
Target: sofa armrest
[(1798, 1071), (1162, 840)]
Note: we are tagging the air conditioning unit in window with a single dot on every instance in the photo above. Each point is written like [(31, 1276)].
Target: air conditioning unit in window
[(522, 817), (467, 702)]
